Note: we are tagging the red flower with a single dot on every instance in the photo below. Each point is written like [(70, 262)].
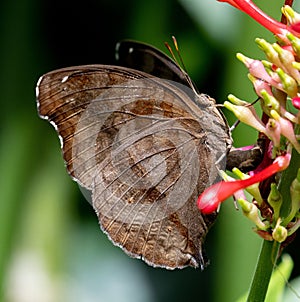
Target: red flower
[(296, 102), (296, 27), (212, 197), (248, 7)]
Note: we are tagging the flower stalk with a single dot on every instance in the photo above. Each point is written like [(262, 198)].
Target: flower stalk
[(264, 268)]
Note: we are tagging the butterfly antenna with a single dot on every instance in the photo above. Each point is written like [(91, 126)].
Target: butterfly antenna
[(171, 51), (178, 53), (180, 63)]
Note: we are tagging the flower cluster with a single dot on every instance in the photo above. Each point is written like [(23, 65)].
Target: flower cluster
[(277, 84)]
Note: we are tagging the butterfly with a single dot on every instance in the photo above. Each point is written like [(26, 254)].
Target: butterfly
[(145, 143)]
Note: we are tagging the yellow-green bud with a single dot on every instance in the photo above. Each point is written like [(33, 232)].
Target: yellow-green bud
[(251, 212), (279, 233), (275, 200)]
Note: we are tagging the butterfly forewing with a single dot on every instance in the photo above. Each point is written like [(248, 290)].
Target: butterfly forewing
[(144, 149), (146, 58), (65, 94)]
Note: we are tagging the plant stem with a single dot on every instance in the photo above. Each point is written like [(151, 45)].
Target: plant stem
[(265, 265), (269, 252)]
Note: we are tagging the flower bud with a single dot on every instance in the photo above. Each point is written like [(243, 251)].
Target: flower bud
[(251, 212), (259, 85), (295, 44), (253, 189), (275, 200), (236, 101), (269, 102), (273, 131), (256, 68), (290, 86), (290, 14), (246, 114), (279, 233), (287, 129), (296, 65), (269, 67), (287, 58), (270, 52)]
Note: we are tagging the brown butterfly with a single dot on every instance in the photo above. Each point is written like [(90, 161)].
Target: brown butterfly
[(144, 146)]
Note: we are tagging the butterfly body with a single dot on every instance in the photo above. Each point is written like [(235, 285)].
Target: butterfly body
[(146, 148)]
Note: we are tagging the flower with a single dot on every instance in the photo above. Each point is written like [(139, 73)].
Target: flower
[(245, 114), (287, 129), (296, 102), (277, 28), (276, 82), (256, 69), (212, 197)]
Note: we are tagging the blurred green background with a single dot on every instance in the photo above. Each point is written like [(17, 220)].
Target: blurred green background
[(51, 248)]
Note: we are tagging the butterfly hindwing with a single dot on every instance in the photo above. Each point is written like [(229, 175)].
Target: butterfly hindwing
[(138, 143)]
